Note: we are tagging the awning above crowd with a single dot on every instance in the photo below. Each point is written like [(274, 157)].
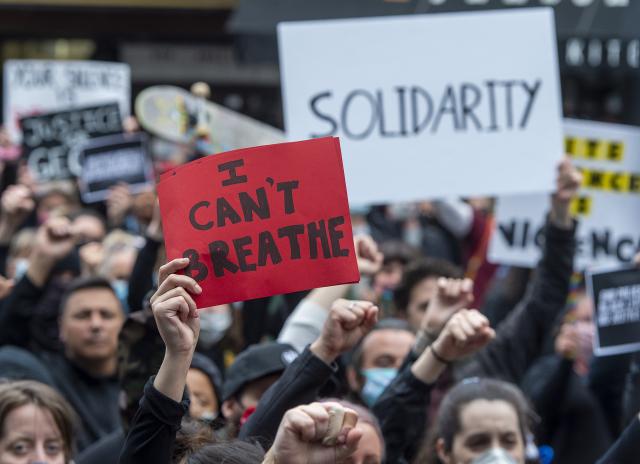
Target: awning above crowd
[(591, 33)]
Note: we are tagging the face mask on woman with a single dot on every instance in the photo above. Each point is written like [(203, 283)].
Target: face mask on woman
[(376, 380)]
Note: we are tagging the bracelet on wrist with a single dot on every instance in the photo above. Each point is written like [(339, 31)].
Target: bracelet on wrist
[(438, 357)]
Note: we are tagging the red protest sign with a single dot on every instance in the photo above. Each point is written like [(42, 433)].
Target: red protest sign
[(260, 221)]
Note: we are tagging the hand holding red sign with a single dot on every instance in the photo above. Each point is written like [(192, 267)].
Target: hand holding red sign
[(260, 221)]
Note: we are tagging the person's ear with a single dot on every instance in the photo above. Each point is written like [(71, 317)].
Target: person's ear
[(444, 457), (354, 379), (229, 408)]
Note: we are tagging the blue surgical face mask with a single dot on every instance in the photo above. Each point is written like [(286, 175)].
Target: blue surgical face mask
[(494, 456), (121, 287), (376, 380)]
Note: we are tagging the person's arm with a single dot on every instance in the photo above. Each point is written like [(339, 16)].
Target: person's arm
[(54, 240), (321, 432), (547, 386), (152, 432), (406, 399), (455, 215), (16, 205), (627, 448), (141, 278), (347, 323), (521, 336), (306, 321), (607, 376), (631, 399)]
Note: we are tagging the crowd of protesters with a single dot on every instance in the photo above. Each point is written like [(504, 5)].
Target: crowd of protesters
[(435, 356)]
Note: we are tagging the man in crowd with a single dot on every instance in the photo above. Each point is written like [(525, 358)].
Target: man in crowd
[(90, 319)]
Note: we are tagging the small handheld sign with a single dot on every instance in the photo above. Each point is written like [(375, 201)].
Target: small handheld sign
[(107, 161), (51, 142), (616, 298), (260, 221)]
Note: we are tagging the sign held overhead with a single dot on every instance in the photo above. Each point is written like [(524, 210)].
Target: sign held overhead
[(429, 106)]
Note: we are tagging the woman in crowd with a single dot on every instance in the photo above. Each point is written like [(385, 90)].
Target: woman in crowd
[(479, 421), (36, 424)]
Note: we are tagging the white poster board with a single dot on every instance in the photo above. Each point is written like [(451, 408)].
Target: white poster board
[(609, 226), (33, 87), (429, 105)]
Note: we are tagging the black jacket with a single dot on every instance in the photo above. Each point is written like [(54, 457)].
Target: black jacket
[(519, 341), (152, 433), (299, 384), (95, 400), (626, 449)]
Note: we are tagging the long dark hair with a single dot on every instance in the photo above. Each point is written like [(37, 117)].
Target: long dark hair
[(447, 424)]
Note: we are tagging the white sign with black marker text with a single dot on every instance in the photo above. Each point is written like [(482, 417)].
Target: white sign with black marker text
[(429, 106), (33, 87), (608, 229)]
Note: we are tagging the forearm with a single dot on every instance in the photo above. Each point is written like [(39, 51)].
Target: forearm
[(172, 376), (304, 325), (141, 279), (40, 267), (299, 384), (405, 401), (16, 312), (325, 296), (8, 229), (455, 215), (548, 389), (153, 430), (427, 367)]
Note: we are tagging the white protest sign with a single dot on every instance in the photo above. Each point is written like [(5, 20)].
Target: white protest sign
[(609, 228), (33, 87), (429, 105)]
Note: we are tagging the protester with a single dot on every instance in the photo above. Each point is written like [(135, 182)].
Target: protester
[(90, 320), (519, 339), (376, 359), (152, 434), (36, 424), (480, 421)]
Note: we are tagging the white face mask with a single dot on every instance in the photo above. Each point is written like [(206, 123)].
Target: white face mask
[(494, 456), (21, 266), (214, 323)]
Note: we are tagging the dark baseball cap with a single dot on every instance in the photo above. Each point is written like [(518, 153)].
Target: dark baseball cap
[(256, 362)]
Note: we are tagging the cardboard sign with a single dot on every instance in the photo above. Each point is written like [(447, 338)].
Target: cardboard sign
[(608, 232), (33, 87), (106, 161), (260, 221), (52, 142), (616, 297), (429, 106)]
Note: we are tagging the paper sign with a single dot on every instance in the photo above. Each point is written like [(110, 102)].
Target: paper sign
[(33, 87), (52, 142), (429, 106), (616, 297), (608, 232), (260, 221), (107, 161)]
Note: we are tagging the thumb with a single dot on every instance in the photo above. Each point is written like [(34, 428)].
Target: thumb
[(343, 452)]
